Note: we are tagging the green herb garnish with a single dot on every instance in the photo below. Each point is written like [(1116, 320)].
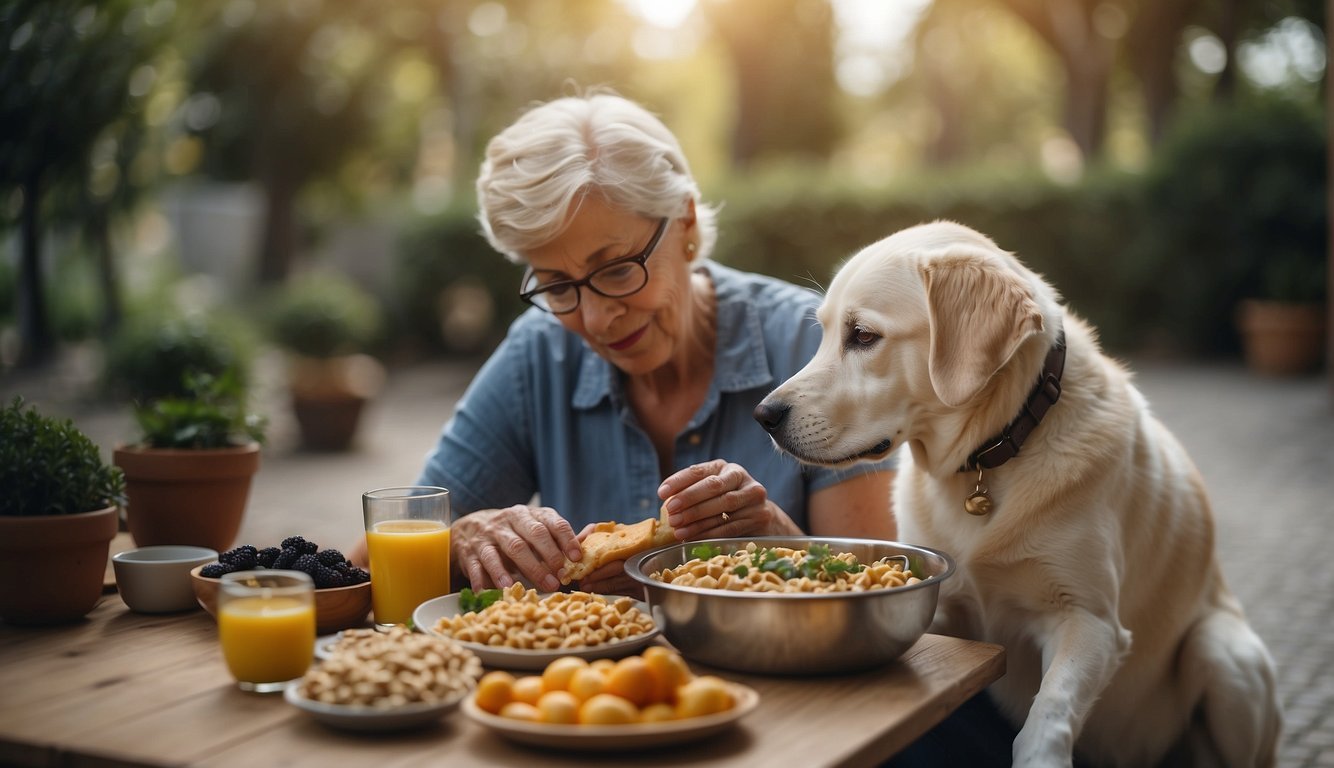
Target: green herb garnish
[(783, 566), (471, 602), (705, 551)]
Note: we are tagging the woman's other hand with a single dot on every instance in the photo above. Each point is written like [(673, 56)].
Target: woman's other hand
[(720, 499), (490, 545)]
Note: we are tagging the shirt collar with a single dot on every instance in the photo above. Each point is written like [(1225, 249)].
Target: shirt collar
[(741, 364)]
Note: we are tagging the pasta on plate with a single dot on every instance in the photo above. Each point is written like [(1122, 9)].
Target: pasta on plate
[(563, 620)]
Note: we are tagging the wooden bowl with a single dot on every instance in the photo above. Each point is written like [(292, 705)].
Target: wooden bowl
[(335, 607)]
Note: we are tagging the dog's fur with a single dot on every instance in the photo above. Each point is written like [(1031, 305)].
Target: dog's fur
[(1096, 568)]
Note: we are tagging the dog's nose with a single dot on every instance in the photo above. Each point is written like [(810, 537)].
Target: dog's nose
[(771, 416)]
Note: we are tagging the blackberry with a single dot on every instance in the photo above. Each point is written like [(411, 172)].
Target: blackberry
[(285, 558), (242, 557), (326, 577), (266, 556), (306, 564), (331, 557), (300, 544), (357, 575), (216, 570)]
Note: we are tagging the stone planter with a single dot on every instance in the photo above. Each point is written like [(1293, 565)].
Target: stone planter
[(51, 566), (187, 496)]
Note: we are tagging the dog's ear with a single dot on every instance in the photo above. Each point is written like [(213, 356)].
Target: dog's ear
[(979, 313)]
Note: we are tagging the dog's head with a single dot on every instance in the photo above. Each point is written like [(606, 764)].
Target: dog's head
[(918, 324)]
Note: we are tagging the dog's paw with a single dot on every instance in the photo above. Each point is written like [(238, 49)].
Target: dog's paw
[(1033, 749)]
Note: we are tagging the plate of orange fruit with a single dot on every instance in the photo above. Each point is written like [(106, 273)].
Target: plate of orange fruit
[(641, 701)]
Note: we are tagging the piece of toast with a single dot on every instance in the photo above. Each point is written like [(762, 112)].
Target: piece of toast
[(609, 542)]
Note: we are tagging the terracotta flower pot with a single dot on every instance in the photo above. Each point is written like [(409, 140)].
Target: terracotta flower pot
[(1281, 339), (327, 423), (329, 395), (187, 496), (51, 566)]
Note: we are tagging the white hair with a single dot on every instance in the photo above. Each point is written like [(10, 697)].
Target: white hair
[(539, 169)]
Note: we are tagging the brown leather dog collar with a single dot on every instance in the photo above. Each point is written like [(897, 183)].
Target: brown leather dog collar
[(1005, 446)]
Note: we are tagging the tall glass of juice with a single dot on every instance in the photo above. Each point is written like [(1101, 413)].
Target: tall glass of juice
[(266, 623), (407, 539)]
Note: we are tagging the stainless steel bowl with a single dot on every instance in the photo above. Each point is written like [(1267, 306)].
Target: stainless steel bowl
[(793, 634)]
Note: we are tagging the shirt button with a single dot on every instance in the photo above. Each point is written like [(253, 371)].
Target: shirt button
[(694, 439), (643, 503)]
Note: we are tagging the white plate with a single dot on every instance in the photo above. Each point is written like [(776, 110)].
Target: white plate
[(615, 737), (325, 643), (431, 611), (358, 718)]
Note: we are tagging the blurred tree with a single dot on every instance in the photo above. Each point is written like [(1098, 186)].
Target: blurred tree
[(284, 92), (782, 55), (1236, 21), (1083, 34), (1093, 43), (64, 84), (1154, 42), (495, 59)]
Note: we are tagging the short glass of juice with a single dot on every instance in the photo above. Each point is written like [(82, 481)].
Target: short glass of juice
[(407, 540), (266, 624)]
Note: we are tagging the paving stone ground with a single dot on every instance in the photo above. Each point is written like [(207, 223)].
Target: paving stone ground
[(1264, 446)]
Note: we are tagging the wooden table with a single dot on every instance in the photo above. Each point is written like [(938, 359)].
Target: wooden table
[(123, 688)]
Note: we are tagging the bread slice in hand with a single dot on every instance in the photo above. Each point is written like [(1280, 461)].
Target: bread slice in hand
[(609, 542)]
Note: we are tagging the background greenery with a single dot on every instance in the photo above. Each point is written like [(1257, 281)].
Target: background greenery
[(1157, 161)]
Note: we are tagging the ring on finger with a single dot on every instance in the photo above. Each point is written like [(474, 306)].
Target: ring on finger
[(726, 517)]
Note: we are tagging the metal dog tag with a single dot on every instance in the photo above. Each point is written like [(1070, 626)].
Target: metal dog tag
[(979, 501)]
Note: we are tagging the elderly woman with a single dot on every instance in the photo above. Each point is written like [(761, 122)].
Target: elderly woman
[(633, 377)]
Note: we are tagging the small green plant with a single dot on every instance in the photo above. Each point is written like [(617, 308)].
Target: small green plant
[(324, 315), (211, 414), (48, 467)]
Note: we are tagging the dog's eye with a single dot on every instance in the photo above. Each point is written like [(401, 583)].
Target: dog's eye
[(861, 337)]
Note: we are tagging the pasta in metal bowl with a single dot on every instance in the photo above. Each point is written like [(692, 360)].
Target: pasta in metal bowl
[(784, 569), (833, 622)]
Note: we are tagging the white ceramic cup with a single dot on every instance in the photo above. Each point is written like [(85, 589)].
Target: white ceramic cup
[(157, 579)]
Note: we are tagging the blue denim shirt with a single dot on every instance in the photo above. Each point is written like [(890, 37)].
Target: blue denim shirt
[(546, 415)]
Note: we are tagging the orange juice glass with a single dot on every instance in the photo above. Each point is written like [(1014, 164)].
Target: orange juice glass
[(407, 540), (266, 624)]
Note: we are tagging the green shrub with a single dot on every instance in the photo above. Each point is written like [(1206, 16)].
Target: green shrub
[(152, 355), (1235, 207), (48, 467), (441, 252), (1076, 237), (324, 314), (209, 413)]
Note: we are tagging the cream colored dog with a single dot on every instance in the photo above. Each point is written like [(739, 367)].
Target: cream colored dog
[(1088, 553)]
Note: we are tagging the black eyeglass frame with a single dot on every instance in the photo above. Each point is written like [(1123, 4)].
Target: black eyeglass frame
[(640, 258)]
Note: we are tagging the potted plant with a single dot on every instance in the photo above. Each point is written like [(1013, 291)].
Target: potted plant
[(1236, 220), (58, 515), (188, 478), (1283, 326), (326, 322)]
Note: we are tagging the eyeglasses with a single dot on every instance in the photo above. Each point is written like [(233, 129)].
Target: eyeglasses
[(615, 279)]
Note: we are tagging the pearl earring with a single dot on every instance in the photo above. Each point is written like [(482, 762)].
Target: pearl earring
[(690, 248)]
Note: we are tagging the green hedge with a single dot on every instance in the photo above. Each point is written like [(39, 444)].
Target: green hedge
[(439, 253), (1234, 202)]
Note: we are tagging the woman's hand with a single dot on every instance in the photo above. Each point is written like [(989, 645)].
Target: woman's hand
[(610, 578), (489, 545), (717, 499)]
